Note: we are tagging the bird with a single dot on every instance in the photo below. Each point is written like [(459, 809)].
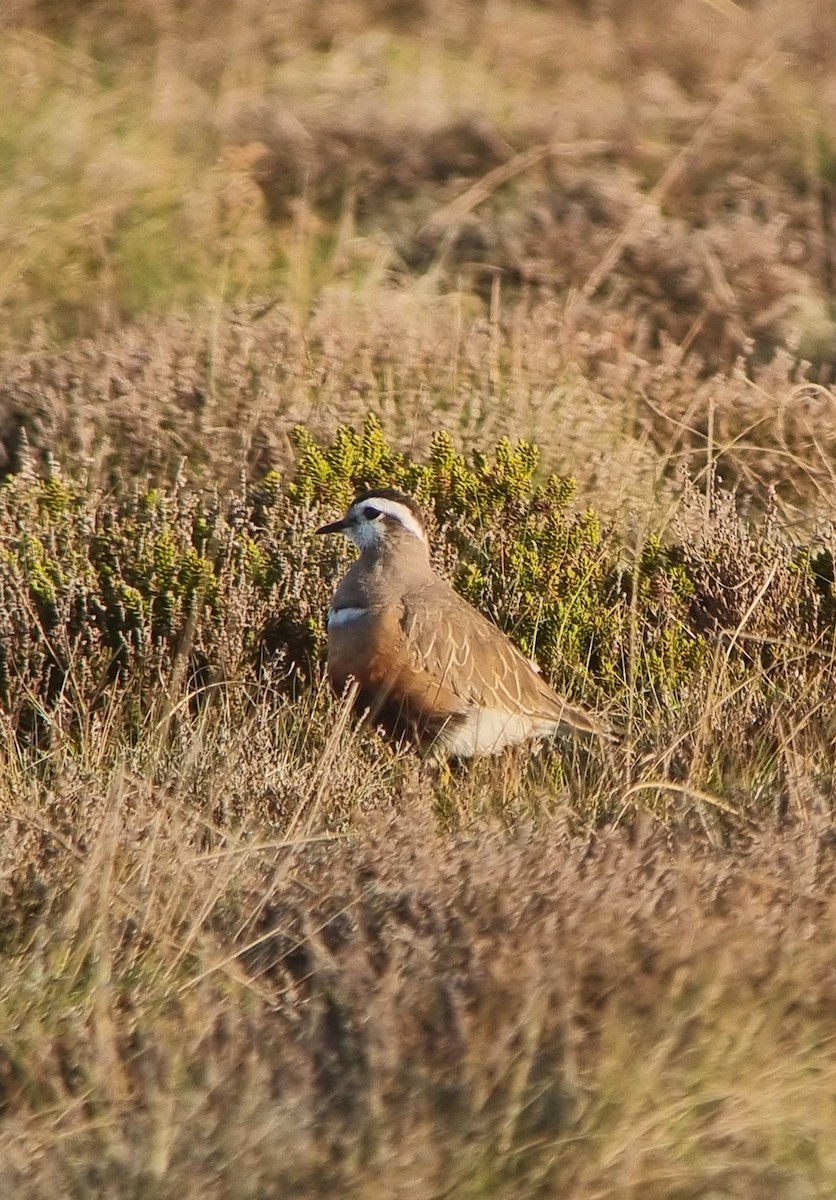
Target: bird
[(423, 664)]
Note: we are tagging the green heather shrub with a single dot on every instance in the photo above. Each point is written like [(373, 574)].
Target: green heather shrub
[(101, 596)]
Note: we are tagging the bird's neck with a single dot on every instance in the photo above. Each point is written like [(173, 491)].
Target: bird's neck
[(388, 569), (404, 555)]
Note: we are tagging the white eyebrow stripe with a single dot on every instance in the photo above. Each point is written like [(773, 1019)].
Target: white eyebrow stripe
[(394, 508), (342, 616)]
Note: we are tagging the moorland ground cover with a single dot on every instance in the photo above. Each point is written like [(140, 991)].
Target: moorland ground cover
[(565, 272)]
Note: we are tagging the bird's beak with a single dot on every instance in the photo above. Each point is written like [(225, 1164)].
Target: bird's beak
[(335, 526)]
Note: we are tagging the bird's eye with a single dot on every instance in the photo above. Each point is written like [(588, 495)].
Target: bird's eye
[(371, 514)]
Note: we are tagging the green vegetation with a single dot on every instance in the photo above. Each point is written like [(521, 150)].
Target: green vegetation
[(119, 593), (562, 271)]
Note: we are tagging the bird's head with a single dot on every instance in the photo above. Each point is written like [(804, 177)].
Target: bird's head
[(380, 518)]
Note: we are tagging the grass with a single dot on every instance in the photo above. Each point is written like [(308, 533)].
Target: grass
[(496, 1012), (237, 934), (564, 273), (184, 161)]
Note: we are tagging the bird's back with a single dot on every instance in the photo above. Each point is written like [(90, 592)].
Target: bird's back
[(506, 700)]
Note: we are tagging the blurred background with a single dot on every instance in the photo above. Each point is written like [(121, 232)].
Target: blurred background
[(555, 219)]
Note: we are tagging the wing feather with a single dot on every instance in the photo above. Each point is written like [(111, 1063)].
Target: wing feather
[(449, 640)]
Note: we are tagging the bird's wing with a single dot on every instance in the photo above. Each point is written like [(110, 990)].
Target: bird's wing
[(448, 639)]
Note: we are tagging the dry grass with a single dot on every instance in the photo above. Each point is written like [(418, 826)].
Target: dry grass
[(166, 155), (195, 1001), (545, 221), (247, 951), (209, 398)]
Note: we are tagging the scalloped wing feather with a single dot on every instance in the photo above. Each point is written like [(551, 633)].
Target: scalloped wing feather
[(451, 641)]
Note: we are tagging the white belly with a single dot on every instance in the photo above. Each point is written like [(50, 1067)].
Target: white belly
[(487, 731)]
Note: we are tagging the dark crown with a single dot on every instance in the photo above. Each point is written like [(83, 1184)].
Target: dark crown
[(393, 494)]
